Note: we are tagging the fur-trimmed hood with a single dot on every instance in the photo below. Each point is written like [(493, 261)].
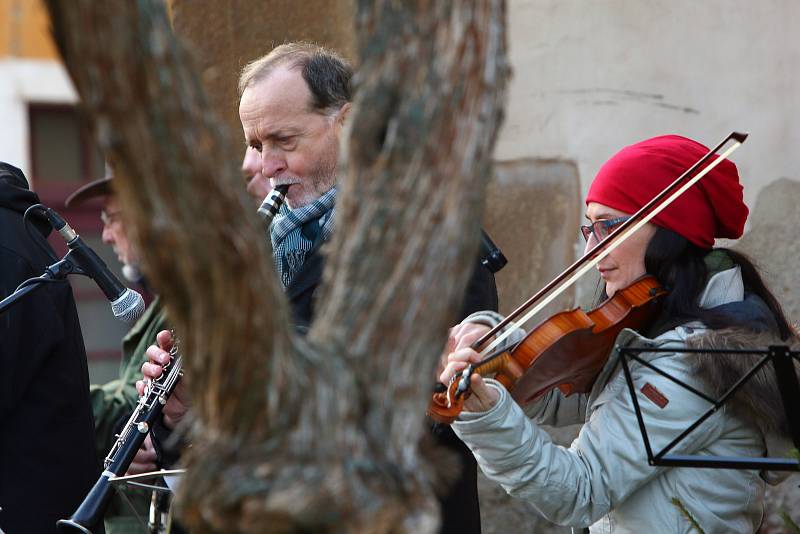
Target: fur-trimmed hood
[(758, 401)]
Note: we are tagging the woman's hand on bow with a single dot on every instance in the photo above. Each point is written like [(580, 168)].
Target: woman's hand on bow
[(457, 356)]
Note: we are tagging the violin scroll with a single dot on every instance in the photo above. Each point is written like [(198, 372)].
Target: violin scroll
[(445, 406), (447, 402)]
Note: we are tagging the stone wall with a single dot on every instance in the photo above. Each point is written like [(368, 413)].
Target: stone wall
[(773, 241), (532, 216)]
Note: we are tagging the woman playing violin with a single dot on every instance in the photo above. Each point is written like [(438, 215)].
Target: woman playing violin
[(716, 298)]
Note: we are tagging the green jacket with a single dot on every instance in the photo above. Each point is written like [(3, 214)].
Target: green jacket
[(114, 401)]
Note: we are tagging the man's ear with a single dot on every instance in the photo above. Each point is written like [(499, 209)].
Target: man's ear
[(341, 115)]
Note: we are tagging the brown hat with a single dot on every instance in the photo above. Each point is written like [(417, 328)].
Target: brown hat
[(95, 188)]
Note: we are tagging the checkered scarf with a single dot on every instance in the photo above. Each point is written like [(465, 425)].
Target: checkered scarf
[(294, 233)]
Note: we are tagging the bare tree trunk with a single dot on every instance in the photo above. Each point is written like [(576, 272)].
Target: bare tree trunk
[(320, 434)]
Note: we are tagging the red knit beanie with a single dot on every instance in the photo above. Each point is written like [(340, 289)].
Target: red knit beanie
[(713, 207)]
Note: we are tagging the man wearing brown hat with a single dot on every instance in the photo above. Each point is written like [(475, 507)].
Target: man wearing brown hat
[(113, 402)]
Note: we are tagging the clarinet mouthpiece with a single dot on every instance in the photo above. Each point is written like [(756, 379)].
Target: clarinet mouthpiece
[(272, 203)]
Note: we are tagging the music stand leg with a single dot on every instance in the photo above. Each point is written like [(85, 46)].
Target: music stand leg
[(789, 388)]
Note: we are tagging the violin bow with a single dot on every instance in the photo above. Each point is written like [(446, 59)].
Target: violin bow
[(615, 239)]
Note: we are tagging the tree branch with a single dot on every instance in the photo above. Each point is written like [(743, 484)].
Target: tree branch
[(319, 435)]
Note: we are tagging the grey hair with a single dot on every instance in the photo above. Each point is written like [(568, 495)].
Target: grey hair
[(327, 74)]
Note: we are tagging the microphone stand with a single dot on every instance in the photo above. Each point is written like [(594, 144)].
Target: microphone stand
[(53, 273)]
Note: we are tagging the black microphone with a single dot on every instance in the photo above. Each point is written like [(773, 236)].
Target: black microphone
[(126, 303), (491, 256)]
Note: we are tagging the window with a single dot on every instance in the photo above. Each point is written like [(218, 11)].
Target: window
[(62, 154)]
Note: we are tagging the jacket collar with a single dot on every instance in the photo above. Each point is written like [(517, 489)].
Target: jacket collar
[(724, 287), (309, 275)]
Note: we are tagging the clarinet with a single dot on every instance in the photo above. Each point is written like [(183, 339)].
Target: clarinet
[(272, 203), (91, 511)]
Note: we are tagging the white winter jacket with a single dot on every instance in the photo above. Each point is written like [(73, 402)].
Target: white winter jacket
[(603, 479)]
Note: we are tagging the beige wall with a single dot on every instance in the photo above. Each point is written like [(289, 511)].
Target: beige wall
[(593, 76)]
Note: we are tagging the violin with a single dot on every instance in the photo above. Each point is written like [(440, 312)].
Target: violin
[(569, 349)]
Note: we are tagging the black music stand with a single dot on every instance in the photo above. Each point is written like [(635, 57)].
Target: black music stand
[(153, 481), (782, 362)]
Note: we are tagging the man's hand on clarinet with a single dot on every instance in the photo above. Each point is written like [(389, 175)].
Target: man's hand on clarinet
[(158, 356), (145, 459)]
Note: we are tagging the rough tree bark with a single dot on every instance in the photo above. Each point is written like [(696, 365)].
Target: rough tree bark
[(320, 434)]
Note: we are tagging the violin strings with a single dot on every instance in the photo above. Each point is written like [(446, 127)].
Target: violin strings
[(598, 287)]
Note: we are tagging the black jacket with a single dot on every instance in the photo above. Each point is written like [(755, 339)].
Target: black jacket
[(47, 457), (481, 293), (460, 507)]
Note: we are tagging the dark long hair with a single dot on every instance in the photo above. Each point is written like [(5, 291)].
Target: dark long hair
[(680, 266)]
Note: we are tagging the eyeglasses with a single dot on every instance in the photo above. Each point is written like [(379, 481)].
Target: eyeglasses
[(600, 229), (110, 218)]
